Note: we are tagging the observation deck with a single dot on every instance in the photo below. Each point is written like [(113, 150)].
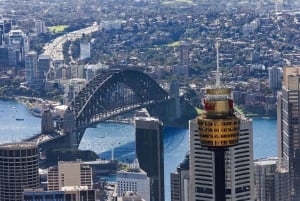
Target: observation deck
[(218, 126)]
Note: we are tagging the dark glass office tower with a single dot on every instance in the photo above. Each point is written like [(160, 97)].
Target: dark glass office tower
[(150, 154)]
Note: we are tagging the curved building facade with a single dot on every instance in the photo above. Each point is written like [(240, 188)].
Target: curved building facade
[(18, 169)]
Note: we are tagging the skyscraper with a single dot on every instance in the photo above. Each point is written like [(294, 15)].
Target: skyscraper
[(288, 121), (19, 164), (264, 174), (30, 66), (180, 181), (150, 154), (239, 178), (16, 41), (218, 130), (40, 27), (275, 77), (44, 64)]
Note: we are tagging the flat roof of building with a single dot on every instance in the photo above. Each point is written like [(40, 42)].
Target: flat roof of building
[(266, 161), (18, 145)]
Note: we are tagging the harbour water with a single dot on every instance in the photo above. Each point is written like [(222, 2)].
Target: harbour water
[(118, 138)]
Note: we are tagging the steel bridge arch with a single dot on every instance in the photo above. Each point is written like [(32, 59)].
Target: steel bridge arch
[(112, 93)]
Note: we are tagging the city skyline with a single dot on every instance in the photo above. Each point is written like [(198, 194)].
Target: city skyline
[(158, 55)]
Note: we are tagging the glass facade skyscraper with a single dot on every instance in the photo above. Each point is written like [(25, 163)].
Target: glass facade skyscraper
[(150, 153), (288, 130)]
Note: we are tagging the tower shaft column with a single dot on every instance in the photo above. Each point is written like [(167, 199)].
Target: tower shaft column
[(220, 188)]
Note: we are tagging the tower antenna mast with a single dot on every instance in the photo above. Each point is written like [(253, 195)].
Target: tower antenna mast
[(217, 45)]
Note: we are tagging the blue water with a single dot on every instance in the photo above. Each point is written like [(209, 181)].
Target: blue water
[(120, 137)]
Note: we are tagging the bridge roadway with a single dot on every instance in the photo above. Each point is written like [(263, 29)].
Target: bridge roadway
[(43, 138)]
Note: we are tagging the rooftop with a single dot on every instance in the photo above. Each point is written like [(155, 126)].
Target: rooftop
[(17, 145)]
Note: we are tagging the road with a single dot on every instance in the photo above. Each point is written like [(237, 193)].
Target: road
[(54, 49)]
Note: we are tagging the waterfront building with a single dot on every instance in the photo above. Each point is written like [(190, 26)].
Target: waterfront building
[(150, 153), (135, 180), (275, 77), (69, 173), (180, 181), (30, 66), (264, 178), (19, 164), (288, 130), (239, 176)]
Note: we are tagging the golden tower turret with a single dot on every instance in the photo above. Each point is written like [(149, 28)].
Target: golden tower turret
[(218, 126)]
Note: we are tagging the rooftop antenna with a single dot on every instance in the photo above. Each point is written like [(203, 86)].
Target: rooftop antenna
[(217, 45)]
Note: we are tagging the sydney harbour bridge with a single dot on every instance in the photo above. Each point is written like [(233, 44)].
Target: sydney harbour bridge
[(108, 95)]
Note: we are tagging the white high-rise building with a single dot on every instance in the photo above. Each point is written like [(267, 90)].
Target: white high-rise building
[(40, 27), (239, 175), (275, 77), (134, 180), (30, 66), (85, 50)]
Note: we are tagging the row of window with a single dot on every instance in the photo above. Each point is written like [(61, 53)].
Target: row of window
[(218, 143), (209, 129), (219, 136), (218, 123), (19, 159)]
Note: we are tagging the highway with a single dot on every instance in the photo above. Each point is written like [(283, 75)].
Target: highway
[(54, 49)]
